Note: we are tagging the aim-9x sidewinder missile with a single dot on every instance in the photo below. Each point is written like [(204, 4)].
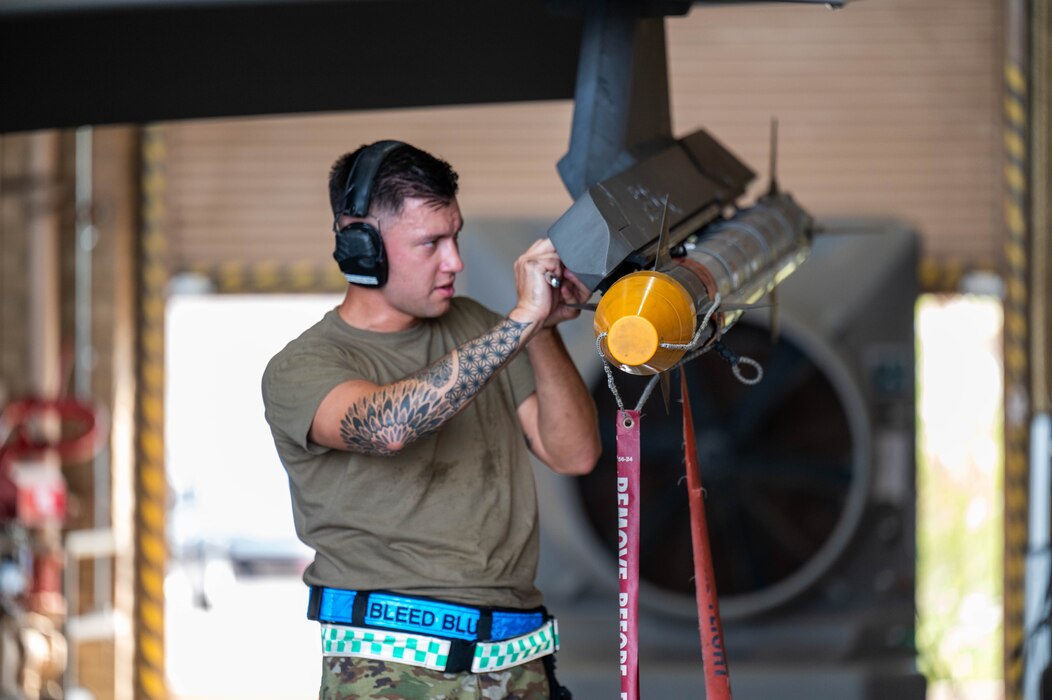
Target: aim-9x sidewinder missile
[(663, 241)]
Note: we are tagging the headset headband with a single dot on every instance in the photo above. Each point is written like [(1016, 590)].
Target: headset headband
[(359, 187)]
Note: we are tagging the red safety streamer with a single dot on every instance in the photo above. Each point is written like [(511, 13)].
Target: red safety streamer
[(717, 672), (628, 550)]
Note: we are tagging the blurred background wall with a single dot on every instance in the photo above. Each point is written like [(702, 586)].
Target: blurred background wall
[(889, 109)]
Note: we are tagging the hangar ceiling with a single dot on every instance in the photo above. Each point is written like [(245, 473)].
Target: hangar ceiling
[(66, 63), (73, 63)]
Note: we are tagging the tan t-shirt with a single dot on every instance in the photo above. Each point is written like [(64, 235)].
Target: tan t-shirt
[(454, 515)]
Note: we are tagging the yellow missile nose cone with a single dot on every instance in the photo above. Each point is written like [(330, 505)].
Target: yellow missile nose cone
[(632, 340), (638, 313)]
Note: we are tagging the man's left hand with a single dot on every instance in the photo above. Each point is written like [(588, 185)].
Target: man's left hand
[(570, 291)]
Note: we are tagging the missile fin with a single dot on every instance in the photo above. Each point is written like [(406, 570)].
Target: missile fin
[(662, 258), (773, 189)]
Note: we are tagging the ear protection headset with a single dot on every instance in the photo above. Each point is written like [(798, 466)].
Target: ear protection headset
[(359, 247)]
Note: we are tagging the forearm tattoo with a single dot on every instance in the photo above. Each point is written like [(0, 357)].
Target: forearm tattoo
[(399, 413)]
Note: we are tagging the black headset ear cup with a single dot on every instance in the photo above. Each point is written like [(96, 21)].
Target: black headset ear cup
[(360, 255), (359, 247)]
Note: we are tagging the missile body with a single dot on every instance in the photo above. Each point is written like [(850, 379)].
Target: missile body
[(740, 260)]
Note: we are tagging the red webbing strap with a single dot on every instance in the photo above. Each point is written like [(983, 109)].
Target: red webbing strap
[(717, 672), (628, 550)]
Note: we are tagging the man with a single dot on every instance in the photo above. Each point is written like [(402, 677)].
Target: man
[(403, 420)]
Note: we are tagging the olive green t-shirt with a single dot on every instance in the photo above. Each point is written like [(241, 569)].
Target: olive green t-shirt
[(454, 514)]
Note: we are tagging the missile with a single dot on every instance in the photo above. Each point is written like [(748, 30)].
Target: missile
[(737, 261), (658, 242)]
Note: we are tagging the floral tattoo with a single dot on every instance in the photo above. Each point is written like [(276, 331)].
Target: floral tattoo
[(405, 411)]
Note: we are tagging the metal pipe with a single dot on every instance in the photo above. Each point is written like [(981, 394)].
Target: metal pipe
[(43, 230), (87, 241), (1038, 646), (82, 271), (1041, 213)]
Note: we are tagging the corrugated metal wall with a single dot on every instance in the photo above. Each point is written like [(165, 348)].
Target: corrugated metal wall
[(888, 107)]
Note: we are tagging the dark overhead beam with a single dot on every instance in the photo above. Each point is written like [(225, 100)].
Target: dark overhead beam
[(621, 107), (195, 60)]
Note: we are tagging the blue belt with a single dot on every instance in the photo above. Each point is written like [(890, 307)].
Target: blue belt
[(437, 618)]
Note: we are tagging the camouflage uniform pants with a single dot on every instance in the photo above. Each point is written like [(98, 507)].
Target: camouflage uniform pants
[(351, 678)]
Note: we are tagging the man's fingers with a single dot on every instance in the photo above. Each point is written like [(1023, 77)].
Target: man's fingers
[(573, 291), (542, 245), (542, 266)]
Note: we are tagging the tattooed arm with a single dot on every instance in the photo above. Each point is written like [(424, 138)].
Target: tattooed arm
[(360, 416)]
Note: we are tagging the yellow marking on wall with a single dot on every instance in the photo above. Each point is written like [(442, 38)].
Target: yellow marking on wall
[(153, 411), (152, 447), (153, 246), (1015, 323), (1014, 110), (155, 484), (154, 309), (937, 275), (301, 276), (271, 277), (152, 344), (154, 375), (151, 683), (1014, 79), (1016, 369), (1014, 145), (1014, 255), (153, 652), (1015, 177), (154, 584), (151, 487), (267, 275)]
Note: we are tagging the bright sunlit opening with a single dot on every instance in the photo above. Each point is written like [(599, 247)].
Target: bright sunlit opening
[(234, 602), (959, 506)]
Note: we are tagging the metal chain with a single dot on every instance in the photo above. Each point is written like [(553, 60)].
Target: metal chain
[(609, 372), (693, 344), (736, 361)]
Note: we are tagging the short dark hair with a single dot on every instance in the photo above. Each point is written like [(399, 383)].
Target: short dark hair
[(405, 173)]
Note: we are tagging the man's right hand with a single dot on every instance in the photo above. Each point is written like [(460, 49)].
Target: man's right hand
[(540, 304)]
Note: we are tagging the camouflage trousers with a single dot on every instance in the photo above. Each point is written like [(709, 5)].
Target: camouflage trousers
[(352, 678)]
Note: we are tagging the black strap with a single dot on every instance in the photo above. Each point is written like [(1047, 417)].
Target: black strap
[(555, 691), (485, 625), (461, 655), (314, 603), (359, 608)]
